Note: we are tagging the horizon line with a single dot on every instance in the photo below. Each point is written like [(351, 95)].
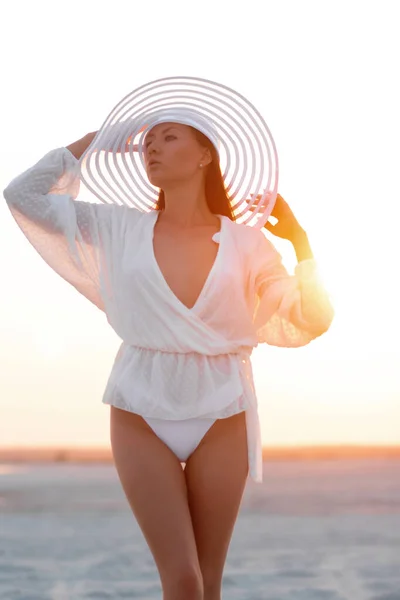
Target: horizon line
[(87, 454)]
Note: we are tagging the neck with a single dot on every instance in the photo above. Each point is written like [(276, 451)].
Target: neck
[(186, 206)]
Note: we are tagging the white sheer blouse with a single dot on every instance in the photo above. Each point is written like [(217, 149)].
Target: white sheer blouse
[(174, 362)]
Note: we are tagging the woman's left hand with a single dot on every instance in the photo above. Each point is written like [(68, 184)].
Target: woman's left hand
[(287, 226)]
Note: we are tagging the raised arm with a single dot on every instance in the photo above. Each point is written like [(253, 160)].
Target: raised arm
[(75, 238), (294, 309), (44, 193)]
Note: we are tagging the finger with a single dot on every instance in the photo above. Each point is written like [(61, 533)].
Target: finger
[(135, 148), (269, 227), (259, 196)]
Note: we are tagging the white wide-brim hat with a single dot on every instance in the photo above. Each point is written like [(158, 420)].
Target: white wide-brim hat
[(246, 149)]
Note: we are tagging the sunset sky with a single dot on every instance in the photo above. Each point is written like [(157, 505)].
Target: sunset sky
[(325, 77)]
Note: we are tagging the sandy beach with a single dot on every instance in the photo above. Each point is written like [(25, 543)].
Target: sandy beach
[(314, 530)]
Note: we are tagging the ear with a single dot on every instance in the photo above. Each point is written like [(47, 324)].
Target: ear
[(206, 157)]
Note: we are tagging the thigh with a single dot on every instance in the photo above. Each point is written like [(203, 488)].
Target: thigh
[(216, 476), (154, 483)]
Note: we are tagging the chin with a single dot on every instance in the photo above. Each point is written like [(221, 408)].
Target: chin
[(154, 180)]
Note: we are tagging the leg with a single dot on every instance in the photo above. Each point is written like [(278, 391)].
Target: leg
[(216, 475), (154, 484)]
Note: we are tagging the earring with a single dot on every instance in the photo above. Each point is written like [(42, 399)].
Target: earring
[(201, 165)]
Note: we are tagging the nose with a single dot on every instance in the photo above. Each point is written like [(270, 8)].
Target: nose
[(152, 147)]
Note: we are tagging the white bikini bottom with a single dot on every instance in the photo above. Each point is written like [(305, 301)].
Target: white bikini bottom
[(182, 437)]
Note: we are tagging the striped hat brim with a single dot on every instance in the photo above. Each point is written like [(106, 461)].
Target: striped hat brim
[(113, 168)]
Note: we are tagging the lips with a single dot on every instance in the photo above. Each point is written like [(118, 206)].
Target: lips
[(154, 162)]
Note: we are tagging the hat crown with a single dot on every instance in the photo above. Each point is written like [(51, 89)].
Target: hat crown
[(184, 116)]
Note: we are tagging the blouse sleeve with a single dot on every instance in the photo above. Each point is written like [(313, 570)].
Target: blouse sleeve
[(291, 310), (75, 238)]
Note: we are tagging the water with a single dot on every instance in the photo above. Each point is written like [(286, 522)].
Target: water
[(315, 530)]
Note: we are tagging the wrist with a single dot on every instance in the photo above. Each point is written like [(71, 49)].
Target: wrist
[(298, 235), (301, 245), (78, 148)]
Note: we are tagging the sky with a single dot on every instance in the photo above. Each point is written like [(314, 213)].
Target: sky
[(325, 77)]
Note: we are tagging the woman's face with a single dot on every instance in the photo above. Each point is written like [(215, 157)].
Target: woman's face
[(172, 154)]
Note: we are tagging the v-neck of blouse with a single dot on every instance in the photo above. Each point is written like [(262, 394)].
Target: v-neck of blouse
[(211, 273)]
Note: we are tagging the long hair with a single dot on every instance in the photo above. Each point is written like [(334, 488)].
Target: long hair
[(217, 197)]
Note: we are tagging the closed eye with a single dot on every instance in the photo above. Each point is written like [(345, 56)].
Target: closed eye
[(167, 137)]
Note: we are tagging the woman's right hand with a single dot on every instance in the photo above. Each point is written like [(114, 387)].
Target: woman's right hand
[(125, 146), (78, 148)]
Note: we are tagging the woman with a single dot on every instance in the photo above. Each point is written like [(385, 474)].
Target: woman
[(191, 292)]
